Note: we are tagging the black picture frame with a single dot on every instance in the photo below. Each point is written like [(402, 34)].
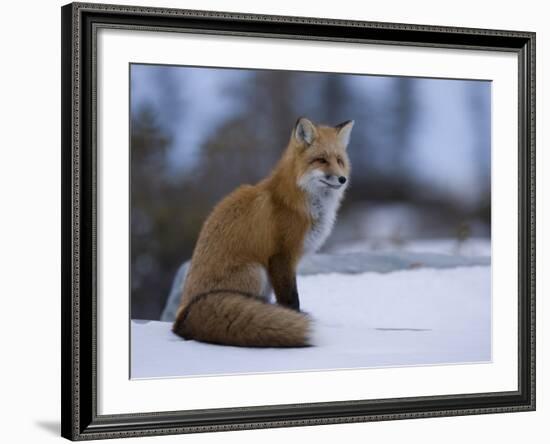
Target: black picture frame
[(79, 385)]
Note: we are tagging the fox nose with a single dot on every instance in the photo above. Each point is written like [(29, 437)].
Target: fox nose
[(342, 180)]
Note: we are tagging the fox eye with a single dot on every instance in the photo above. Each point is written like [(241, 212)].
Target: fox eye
[(321, 160), (340, 162)]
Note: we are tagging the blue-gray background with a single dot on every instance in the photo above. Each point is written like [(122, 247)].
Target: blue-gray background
[(420, 154)]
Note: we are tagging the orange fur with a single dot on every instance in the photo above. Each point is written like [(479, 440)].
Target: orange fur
[(253, 230)]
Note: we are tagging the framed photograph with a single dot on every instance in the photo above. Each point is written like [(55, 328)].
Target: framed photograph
[(275, 221)]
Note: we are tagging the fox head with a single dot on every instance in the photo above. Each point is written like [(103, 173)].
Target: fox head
[(320, 154)]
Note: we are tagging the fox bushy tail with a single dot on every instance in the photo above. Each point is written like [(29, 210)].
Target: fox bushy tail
[(233, 318)]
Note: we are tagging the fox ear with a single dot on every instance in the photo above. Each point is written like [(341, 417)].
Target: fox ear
[(304, 131), (344, 131)]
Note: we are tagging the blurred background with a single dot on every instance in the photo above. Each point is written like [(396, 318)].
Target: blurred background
[(420, 153)]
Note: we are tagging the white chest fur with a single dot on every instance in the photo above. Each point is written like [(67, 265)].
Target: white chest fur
[(323, 206)]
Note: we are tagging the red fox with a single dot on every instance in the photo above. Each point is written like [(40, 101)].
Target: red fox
[(253, 240)]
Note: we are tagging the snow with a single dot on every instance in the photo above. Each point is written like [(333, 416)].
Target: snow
[(474, 247), (403, 318), (345, 263)]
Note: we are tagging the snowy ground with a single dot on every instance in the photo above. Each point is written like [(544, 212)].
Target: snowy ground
[(369, 256), (412, 317), (473, 247)]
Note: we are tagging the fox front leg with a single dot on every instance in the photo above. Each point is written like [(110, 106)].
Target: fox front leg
[(283, 280)]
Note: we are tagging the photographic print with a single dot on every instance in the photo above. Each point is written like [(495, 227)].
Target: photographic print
[(275, 221), (285, 221)]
